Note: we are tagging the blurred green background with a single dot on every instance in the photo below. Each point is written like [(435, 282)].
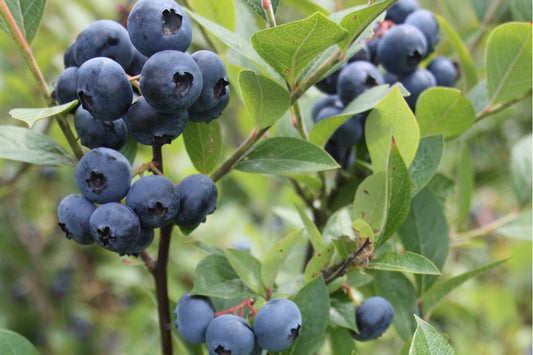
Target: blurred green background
[(72, 299)]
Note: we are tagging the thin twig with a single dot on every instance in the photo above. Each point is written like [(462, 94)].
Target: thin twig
[(490, 110)]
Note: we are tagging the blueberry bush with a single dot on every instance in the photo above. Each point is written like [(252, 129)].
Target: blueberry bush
[(265, 177)]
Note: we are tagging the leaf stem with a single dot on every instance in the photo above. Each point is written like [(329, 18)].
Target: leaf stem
[(269, 13), (490, 110), (300, 126), (461, 238)]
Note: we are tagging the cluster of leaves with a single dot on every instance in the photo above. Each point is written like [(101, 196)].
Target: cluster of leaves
[(396, 201)]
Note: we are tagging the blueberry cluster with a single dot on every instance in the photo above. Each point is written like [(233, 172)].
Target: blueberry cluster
[(175, 86), (103, 177), (276, 326), (373, 317), (406, 37)]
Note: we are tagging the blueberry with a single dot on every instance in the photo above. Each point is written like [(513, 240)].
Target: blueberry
[(428, 25), (157, 25), (198, 197), (373, 50), (327, 112), (69, 58), (229, 334), (103, 175), (349, 133), (137, 63), (74, 212), (398, 12), (443, 70), (277, 324), (401, 49), (214, 79), (171, 81), (145, 240), (103, 89), (417, 82), (95, 133), (339, 154), (154, 200), (328, 85), (330, 100), (211, 114), (193, 314), (115, 227), (373, 318), (355, 78), (150, 127), (362, 54), (104, 38), (66, 86), (390, 78)]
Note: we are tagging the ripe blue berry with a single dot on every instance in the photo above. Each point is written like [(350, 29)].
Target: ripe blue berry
[(373, 318), (277, 324), (355, 78), (95, 133), (229, 334), (443, 70), (145, 240), (198, 198), (154, 200), (213, 113), (103, 89), (157, 25), (193, 314), (328, 85), (66, 86), (150, 127), (214, 79), (362, 54), (171, 81), (104, 38), (115, 227), (417, 82), (74, 212), (401, 49), (69, 58), (137, 63), (103, 175), (398, 12), (428, 25), (324, 101)]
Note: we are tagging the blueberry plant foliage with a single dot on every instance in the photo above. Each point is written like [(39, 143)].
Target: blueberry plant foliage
[(372, 211)]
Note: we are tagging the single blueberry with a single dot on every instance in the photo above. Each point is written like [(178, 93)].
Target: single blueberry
[(355, 78), (94, 133), (104, 38), (401, 49), (74, 212), (398, 12), (66, 86), (390, 78), (277, 324), (417, 82), (69, 58), (198, 197), (444, 71), (115, 227), (154, 199), (103, 175), (229, 334), (145, 240), (373, 318), (103, 89), (171, 81), (340, 154), (328, 85), (214, 79), (329, 100), (137, 63), (428, 25), (193, 314), (373, 50), (361, 54), (150, 127), (157, 25), (211, 114)]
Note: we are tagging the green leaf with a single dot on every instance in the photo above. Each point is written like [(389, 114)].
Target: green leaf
[(466, 64), (438, 291), (258, 8), (444, 110), (426, 162), (340, 223), (465, 183), (425, 232), (12, 343), (341, 342), (285, 155), (342, 311), (370, 200), (357, 21), (521, 10), (265, 100), (427, 341), (276, 256), (362, 230), (312, 231), (313, 302), (129, 150), (215, 277), (307, 7), (27, 14), (219, 11), (321, 259), (25, 145), (321, 131), (32, 115), (479, 96), (398, 290), (345, 246), (248, 268), (521, 169), (289, 48), (203, 143), (518, 227), (441, 186), (408, 262), (508, 62), (391, 118)]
